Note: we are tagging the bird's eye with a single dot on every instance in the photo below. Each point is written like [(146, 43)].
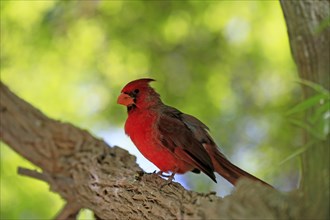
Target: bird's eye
[(136, 91)]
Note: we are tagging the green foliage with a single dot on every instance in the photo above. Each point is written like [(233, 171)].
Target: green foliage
[(323, 25), (31, 197), (318, 120), (226, 62)]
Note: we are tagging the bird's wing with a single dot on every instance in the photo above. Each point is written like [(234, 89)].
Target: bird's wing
[(220, 163), (176, 133)]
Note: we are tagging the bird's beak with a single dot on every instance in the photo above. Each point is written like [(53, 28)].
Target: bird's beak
[(125, 99)]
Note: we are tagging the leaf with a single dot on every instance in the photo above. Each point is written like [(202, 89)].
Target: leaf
[(317, 87), (308, 103), (298, 152), (320, 113), (323, 25), (311, 130)]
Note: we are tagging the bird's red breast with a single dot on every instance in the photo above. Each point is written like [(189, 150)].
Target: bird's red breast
[(142, 129)]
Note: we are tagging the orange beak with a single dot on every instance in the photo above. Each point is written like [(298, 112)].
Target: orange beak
[(125, 99)]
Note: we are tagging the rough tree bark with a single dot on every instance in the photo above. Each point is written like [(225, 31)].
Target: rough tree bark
[(87, 173), (308, 24)]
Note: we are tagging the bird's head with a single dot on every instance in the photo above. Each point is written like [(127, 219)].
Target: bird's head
[(138, 94)]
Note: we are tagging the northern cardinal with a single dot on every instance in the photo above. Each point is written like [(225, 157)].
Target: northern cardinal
[(174, 141)]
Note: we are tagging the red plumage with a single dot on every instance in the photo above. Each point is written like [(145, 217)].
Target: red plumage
[(175, 142)]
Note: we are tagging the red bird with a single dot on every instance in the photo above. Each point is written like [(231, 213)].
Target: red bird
[(173, 141)]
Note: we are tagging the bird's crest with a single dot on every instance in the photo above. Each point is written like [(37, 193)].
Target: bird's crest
[(139, 83)]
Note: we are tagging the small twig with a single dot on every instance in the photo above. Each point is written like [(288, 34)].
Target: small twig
[(32, 173), (68, 212)]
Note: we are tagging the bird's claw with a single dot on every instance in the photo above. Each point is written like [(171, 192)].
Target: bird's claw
[(169, 180)]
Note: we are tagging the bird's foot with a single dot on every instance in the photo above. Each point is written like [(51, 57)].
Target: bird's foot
[(169, 180), (170, 177)]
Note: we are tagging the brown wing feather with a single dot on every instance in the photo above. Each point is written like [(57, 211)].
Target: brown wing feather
[(220, 163), (174, 133)]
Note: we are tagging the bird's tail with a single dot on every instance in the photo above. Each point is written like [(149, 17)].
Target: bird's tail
[(226, 169)]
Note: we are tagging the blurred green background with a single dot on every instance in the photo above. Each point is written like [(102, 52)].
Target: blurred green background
[(226, 62)]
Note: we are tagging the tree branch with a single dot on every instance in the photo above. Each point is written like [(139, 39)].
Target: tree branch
[(108, 181), (69, 212), (32, 173)]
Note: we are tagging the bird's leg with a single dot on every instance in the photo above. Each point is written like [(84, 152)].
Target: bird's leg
[(170, 178)]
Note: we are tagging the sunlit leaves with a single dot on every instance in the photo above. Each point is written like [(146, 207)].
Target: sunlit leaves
[(176, 27)]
